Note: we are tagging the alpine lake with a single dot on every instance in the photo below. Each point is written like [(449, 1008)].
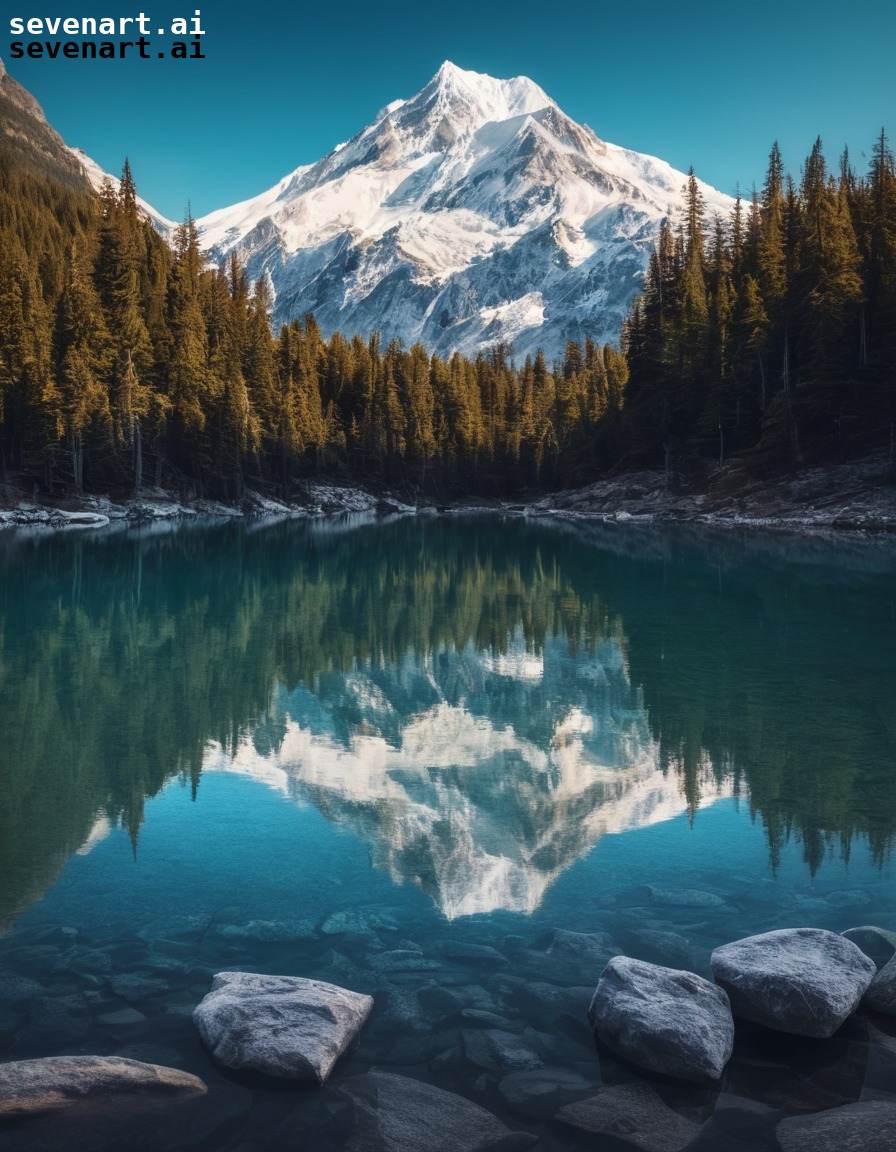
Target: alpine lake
[(411, 757)]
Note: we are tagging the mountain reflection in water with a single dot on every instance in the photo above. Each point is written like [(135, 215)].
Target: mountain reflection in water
[(479, 700), (481, 777)]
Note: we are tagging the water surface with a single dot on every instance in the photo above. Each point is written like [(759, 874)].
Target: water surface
[(342, 751)]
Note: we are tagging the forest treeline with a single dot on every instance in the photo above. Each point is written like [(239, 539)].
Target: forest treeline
[(126, 360), (772, 333)]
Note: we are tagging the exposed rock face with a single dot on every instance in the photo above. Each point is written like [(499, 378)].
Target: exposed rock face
[(34, 1087), (663, 1019), (397, 1114), (280, 1025), (800, 980), (25, 131), (881, 994), (866, 1127), (631, 1116)]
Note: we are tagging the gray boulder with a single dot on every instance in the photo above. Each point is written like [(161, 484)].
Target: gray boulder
[(629, 1116), (280, 1025), (34, 1087), (869, 1126), (881, 994), (664, 1019), (397, 1114), (877, 943), (805, 981)]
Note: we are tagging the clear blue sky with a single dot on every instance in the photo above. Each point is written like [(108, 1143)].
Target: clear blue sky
[(708, 84)]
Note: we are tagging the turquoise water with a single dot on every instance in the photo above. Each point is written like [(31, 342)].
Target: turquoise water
[(303, 749)]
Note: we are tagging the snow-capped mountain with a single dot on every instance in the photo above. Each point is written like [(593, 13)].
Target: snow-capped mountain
[(473, 213)]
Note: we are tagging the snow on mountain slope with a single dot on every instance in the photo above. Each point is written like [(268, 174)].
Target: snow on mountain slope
[(473, 213), (96, 175)]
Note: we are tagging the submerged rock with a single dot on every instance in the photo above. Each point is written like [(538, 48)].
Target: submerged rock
[(876, 943), (661, 947), (800, 980), (280, 1025), (354, 920), (539, 1092), (499, 1051), (663, 1019), (50, 1021), (397, 1114), (134, 986), (629, 1116), (881, 994), (16, 990), (685, 897), (587, 951), (34, 1087), (473, 954), (869, 1126), (269, 931)]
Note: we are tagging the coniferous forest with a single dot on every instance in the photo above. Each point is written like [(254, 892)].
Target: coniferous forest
[(770, 336)]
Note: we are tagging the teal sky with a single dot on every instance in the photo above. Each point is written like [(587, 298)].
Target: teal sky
[(696, 83)]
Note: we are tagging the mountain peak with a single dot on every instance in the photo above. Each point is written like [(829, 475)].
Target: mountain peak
[(479, 97), (474, 213)]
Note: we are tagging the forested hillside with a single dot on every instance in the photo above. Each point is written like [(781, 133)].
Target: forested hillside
[(774, 332), (124, 361)]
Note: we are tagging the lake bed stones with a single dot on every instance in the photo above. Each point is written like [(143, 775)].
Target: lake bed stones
[(869, 1126), (629, 1116), (285, 1026), (805, 981), (397, 1114), (663, 1019)]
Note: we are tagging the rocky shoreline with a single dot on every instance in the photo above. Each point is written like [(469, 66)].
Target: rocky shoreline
[(855, 498), (668, 1026)]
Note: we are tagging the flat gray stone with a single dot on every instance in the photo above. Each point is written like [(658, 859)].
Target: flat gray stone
[(805, 981), (33, 1087), (86, 961), (473, 954), (877, 943), (666, 947), (881, 994), (122, 1018), (280, 1025), (499, 1051), (49, 1021), (130, 986), (663, 1019), (866, 1127), (16, 990), (37, 960), (587, 952), (685, 897), (539, 1092), (269, 931), (402, 960), (353, 920), (630, 1116), (397, 1114)]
